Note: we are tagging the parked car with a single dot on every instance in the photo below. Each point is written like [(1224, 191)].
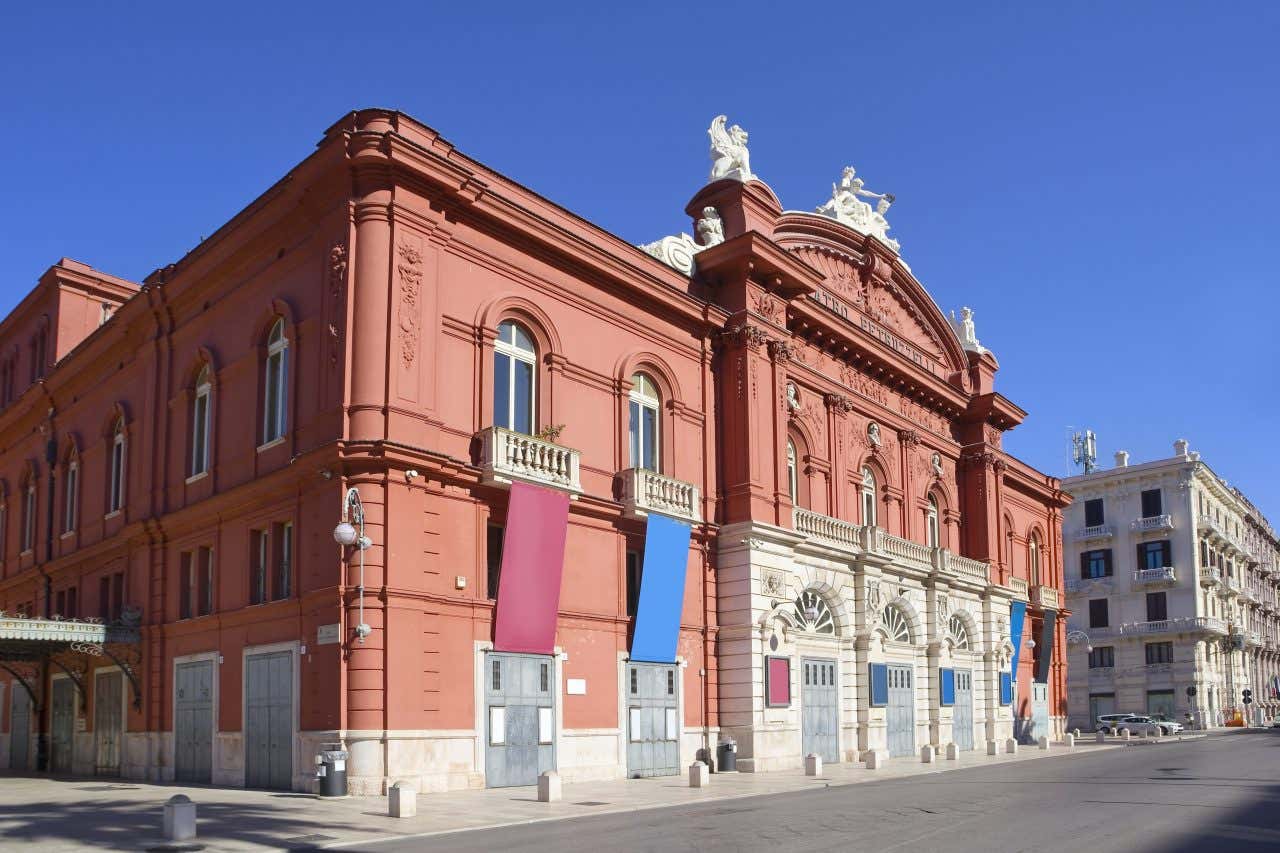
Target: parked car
[(1141, 724), (1111, 721), (1169, 726)]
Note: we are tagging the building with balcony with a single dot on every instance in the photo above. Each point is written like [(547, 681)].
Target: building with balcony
[(1171, 606), (407, 458)]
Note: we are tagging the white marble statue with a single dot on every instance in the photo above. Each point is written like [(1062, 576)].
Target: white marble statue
[(678, 250), (846, 206), (793, 399), (965, 330), (729, 155), (710, 228)]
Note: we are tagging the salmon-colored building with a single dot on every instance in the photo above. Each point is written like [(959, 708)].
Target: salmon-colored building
[(409, 459)]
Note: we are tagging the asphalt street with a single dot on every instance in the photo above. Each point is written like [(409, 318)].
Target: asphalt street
[(1217, 793)]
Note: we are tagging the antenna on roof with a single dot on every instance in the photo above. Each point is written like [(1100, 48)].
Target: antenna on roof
[(1084, 450)]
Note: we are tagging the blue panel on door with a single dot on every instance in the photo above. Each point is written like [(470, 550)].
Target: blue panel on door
[(1017, 615), (1006, 689), (947, 678), (879, 685), (666, 562)]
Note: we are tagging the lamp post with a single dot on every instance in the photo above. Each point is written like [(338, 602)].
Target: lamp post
[(1077, 637), (350, 533)]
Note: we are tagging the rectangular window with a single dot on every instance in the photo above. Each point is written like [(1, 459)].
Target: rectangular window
[(184, 585), (69, 506), (259, 559), (672, 725), (200, 435), (493, 558), (281, 560), (204, 582), (522, 420), (1093, 515), (1160, 652), (104, 598), (29, 519), (1096, 564), (274, 404), (778, 682), (634, 569), (1098, 616), (60, 603), (497, 726), (1154, 555), (1102, 657), (1157, 607), (495, 675), (1160, 704), (546, 725), (73, 603), (117, 596), (1151, 503)]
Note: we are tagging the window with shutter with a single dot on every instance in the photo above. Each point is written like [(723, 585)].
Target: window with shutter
[(1093, 515), (1098, 616), (1151, 503)]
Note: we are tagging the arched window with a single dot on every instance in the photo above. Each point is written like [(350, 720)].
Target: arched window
[(868, 497), (200, 423), (29, 513), (935, 537), (895, 624), (275, 384), (71, 494), (514, 377), (115, 482), (646, 452), (1033, 558), (813, 614), (959, 633), (793, 476)]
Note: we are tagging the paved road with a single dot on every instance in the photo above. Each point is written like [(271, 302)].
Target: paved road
[(1218, 793)]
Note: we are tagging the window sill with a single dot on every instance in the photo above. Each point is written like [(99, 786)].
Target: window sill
[(27, 553), (195, 478), (67, 534), (113, 514), (270, 444)]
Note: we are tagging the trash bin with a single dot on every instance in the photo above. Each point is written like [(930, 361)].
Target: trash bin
[(331, 770), (728, 754)]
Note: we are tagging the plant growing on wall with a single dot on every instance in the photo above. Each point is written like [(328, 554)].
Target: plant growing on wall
[(551, 432)]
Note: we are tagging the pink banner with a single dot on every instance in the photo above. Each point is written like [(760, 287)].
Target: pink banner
[(532, 559)]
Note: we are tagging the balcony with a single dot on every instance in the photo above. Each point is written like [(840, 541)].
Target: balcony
[(1154, 522), (1044, 597), (1179, 625), (963, 567), (1098, 531), (645, 491), (827, 529), (1252, 638), (1209, 577), (1019, 587), (507, 456), (1154, 577), (1211, 528)]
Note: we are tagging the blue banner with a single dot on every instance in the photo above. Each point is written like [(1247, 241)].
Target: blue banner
[(666, 562), (1017, 615)]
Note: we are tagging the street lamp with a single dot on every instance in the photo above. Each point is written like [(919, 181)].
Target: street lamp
[(348, 534), (1075, 637)]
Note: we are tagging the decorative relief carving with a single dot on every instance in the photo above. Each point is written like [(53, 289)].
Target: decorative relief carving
[(816, 418), (926, 418), (781, 351), (874, 436), (839, 403), (410, 269), (992, 435), (769, 307), (744, 334), (773, 583), (909, 438), (729, 155), (792, 398), (944, 611), (337, 281)]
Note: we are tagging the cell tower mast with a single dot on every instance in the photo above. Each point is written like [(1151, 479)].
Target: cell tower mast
[(1084, 450)]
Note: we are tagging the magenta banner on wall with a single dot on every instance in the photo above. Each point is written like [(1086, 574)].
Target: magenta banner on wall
[(532, 562)]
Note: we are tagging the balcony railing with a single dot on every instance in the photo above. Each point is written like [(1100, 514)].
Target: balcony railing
[(1180, 625), (826, 528), (645, 491), (1097, 531), (953, 564), (1154, 522), (907, 551), (1019, 587), (1144, 577), (506, 455), (1252, 638), (1209, 576), (1044, 596)]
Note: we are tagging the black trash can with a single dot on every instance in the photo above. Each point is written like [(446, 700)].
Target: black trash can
[(728, 755), (331, 770)]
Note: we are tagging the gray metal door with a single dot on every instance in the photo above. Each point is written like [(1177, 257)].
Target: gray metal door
[(902, 711), (819, 709), (193, 722), (1039, 711), (108, 722), (19, 727), (519, 706), (653, 721), (268, 730), (63, 724), (962, 711)]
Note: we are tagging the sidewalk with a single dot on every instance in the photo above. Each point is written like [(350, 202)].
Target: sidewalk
[(80, 814)]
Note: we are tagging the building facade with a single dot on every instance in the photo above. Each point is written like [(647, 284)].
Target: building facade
[(1174, 595), (408, 459)]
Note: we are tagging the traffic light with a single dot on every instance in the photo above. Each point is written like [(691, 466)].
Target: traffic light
[(1248, 695)]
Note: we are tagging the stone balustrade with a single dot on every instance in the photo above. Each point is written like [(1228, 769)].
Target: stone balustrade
[(1020, 588), (1044, 597), (1182, 624), (827, 529), (965, 567), (1153, 522), (912, 553), (506, 455), (1144, 577), (1097, 531), (645, 491)]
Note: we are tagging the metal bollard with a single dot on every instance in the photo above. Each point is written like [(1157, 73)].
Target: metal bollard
[(402, 800), (549, 789), (179, 818), (699, 775)]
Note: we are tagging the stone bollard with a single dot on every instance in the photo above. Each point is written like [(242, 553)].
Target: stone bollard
[(993, 747), (874, 759), (1102, 736), (549, 787), (402, 800), (1070, 740), (1011, 746), (927, 754), (699, 775), (1075, 733), (813, 765), (179, 818), (1125, 734), (1043, 742), (953, 752), (1115, 732)]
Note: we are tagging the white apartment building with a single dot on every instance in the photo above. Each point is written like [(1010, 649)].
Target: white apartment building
[(1172, 585)]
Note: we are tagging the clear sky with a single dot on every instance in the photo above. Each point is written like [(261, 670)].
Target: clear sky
[(1098, 180)]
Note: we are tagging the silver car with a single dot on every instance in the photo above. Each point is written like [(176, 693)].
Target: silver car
[(1138, 724)]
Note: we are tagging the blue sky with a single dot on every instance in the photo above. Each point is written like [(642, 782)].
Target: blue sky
[(1098, 180)]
